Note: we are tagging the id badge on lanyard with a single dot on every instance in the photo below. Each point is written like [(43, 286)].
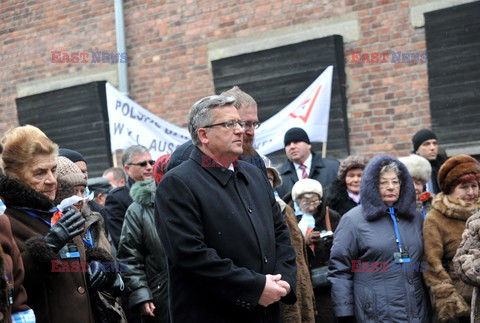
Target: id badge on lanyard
[(401, 256), (69, 251)]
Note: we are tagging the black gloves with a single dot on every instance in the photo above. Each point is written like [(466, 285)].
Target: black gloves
[(346, 319), (69, 226), (97, 278)]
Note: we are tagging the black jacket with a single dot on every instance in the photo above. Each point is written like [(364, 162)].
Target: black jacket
[(336, 197), (142, 252), (323, 170), (116, 204), (222, 232)]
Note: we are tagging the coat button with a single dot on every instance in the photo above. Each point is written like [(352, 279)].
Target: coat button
[(265, 259), (249, 210), (81, 290), (238, 302), (248, 306), (243, 303)]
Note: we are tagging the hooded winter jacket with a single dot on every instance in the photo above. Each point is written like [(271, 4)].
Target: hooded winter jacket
[(141, 250), (366, 281)]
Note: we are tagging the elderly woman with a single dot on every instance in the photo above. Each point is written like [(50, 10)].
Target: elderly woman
[(375, 259), (52, 253), (344, 193), (420, 170), (442, 233), (317, 224), (304, 309)]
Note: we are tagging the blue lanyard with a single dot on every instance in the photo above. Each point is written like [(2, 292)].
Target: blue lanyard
[(36, 216), (89, 241), (395, 226), (424, 213)]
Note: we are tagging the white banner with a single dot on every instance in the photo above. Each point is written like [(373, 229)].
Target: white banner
[(309, 111), (130, 124)]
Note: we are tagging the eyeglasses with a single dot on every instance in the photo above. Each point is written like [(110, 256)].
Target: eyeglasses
[(249, 124), (144, 163), (310, 203), (230, 124), (385, 184)]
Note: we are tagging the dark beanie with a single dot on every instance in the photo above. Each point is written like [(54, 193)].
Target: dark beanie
[(296, 135), (420, 137), (73, 155)]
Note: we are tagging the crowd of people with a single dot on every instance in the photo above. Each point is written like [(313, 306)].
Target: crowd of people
[(217, 233)]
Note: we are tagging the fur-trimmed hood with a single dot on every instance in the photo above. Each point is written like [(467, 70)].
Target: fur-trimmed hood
[(143, 192), (15, 193), (372, 203)]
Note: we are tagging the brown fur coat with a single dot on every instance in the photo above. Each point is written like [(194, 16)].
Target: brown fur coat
[(467, 262), (304, 309), (442, 234)]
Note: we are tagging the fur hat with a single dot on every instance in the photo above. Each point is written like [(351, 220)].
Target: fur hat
[(295, 135), (418, 167), (349, 163), (277, 179), (420, 137), (305, 186), (454, 168), (160, 167)]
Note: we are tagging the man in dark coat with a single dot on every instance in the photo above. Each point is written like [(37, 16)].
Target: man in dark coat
[(138, 164), (425, 144), (303, 163), (228, 250)]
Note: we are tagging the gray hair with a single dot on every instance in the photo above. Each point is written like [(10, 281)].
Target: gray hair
[(200, 114), (242, 99), (391, 167), (118, 173), (132, 151)]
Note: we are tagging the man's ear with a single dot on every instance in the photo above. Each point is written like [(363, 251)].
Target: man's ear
[(203, 135)]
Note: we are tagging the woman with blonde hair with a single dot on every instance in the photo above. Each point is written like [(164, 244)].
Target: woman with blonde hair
[(52, 253)]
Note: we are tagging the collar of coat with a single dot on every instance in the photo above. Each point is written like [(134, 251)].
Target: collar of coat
[(454, 208), (15, 193), (220, 173), (371, 201), (289, 167), (143, 192)]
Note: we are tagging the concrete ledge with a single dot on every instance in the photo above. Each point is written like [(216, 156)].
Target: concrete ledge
[(468, 148), (419, 7), (345, 25), (108, 73)]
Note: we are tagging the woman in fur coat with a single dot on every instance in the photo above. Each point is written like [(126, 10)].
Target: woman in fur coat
[(344, 193), (304, 309), (467, 262), (442, 233), (51, 253)]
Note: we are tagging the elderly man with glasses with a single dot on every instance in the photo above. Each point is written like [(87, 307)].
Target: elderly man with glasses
[(228, 250), (138, 165)]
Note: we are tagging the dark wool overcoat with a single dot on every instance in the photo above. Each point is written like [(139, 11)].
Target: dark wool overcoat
[(323, 170), (366, 282), (53, 296), (223, 232)]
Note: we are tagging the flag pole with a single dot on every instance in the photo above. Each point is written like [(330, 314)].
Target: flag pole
[(324, 149)]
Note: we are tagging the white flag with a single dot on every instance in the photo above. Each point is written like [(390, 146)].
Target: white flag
[(309, 111), (130, 124)]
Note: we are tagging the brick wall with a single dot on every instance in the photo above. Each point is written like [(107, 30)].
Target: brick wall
[(168, 67)]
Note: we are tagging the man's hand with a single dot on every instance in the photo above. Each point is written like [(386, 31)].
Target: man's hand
[(147, 308), (275, 288)]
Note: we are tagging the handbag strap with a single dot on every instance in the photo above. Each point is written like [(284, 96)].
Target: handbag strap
[(327, 220)]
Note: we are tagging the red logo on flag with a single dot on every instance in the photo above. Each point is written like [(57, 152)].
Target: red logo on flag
[(303, 106)]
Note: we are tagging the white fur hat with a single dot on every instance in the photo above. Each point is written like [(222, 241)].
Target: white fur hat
[(418, 167), (305, 186)]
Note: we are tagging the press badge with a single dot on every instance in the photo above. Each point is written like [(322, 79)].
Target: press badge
[(401, 257), (69, 251)]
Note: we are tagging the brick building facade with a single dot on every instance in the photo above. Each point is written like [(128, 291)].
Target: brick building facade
[(171, 46)]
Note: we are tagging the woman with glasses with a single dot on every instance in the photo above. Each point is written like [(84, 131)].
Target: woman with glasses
[(317, 224), (375, 262)]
